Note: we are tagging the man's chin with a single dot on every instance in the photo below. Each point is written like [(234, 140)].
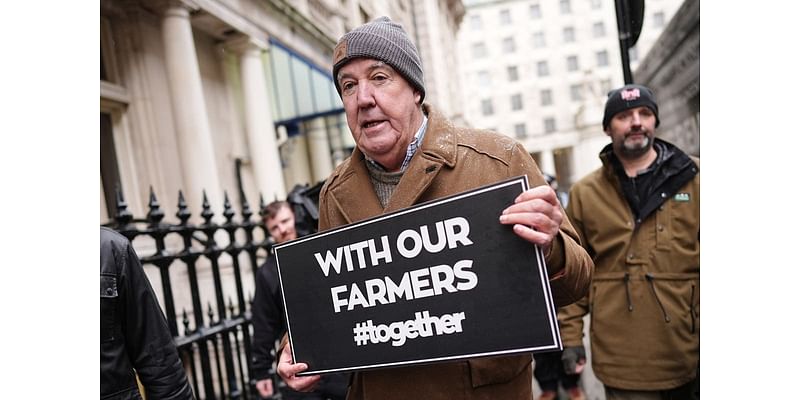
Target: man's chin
[(637, 143), (636, 149)]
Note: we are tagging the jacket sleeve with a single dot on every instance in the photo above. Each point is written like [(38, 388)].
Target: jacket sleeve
[(570, 320), (149, 342), (570, 317), (267, 322), (569, 266)]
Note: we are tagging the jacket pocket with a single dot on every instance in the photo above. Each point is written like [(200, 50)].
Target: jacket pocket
[(495, 370), (682, 225), (679, 296), (108, 305)]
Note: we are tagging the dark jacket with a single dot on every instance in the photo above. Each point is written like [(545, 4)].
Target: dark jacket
[(645, 297), (133, 330), (269, 325), (452, 160)]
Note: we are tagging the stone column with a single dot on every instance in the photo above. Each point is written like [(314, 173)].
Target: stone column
[(337, 144), (548, 163), (259, 125), (195, 145), (295, 154), (319, 149)]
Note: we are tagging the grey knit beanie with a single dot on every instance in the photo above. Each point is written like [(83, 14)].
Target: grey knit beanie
[(382, 40)]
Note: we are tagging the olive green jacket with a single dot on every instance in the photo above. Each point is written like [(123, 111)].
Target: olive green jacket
[(452, 160), (644, 303)]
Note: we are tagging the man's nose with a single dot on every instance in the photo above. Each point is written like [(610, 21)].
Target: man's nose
[(636, 120), (365, 95)]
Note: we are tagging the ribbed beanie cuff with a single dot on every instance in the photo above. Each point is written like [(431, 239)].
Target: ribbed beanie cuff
[(382, 40)]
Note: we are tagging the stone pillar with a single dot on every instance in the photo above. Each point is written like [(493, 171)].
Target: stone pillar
[(295, 154), (259, 125), (548, 163), (195, 145), (337, 144), (319, 149)]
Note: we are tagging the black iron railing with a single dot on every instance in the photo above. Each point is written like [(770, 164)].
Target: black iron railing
[(215, 263)]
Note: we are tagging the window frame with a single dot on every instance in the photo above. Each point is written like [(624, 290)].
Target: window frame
[(517, 103), (542, 68), (549, 97), (545, 122), (605, 59), (573, 66), (487, 107), (568, 38), (512, 77)]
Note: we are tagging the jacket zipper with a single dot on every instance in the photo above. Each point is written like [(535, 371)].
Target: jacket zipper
[(655, 294), (627, 279)]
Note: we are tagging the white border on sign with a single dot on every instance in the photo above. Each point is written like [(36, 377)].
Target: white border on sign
[(556, 336)]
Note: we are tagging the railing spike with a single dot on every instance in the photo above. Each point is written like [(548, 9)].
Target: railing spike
[(123, 217), (227, 211), (183, 210), (207, 214), (262, 207), (246, 212), (155, 215)]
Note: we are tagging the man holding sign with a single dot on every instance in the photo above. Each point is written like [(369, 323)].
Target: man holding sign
[(408, 153)]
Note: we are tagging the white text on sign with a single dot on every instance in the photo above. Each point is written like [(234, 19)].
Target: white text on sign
[(449, 233), (423, 325)]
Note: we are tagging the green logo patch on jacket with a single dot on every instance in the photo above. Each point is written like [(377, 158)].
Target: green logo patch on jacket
[(682, 197)]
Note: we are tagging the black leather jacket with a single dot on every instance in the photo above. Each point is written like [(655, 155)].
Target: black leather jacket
[(133, 330)]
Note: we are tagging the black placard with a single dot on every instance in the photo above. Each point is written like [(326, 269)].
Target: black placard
[(443, 280)]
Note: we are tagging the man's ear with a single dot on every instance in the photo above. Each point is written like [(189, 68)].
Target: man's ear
[(417, 97)]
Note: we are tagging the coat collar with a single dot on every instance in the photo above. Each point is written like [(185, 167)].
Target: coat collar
[(354, 195), (442, 143)]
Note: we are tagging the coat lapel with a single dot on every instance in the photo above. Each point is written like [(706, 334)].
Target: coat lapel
[(438, 149), (419, 175)]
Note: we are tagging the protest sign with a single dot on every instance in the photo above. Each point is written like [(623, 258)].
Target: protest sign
[(443, 280)]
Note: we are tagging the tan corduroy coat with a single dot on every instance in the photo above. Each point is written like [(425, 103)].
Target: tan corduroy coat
[(645, 297), (452, 160)]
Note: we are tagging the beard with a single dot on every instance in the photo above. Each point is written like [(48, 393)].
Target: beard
[(636, 148)]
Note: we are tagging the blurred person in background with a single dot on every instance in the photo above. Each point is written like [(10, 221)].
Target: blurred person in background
[(268, 316), (638, 216)]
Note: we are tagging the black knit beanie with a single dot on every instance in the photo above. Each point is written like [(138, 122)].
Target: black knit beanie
[(627, 97), (382, 40)]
